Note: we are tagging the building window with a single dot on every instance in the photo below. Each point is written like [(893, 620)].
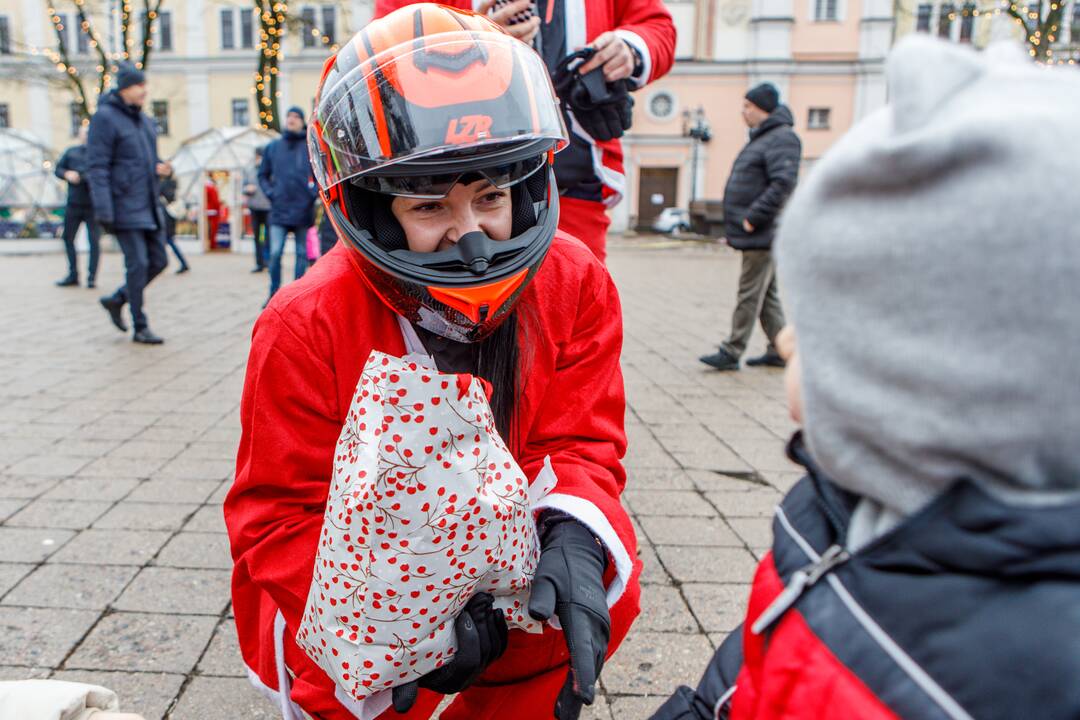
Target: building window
[(62, 31), (944, 25), (1074, 25), (922, 22), (164, 31), (228, 31), (247, 29), (662, 105), (307, 16), (818, 119), (240, 112), (826, 10), (967, 23), (82, 41), (329, 21), (5, 38), (5, 116), (76, 117), (161, 116)]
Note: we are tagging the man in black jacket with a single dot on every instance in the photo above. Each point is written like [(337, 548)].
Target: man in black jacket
[(123, 178), (761, 180), (79, 210)]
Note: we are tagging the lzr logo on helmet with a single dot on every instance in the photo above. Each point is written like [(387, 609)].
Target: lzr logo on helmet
[(468, 128)]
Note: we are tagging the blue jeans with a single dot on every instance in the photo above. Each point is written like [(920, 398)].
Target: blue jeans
[(277, 249), (144, 259)]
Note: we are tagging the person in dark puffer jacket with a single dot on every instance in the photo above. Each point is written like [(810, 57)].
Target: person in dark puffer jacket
[(123, 174), (762, 178), (928, 565)]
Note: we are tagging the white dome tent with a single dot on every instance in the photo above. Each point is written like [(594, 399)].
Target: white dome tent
[(29, 191), (223, 153)]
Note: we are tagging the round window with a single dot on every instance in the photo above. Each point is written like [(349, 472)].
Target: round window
[(662, 105)]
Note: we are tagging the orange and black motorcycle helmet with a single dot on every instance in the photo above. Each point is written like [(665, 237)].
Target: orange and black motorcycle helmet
[(415, 102)]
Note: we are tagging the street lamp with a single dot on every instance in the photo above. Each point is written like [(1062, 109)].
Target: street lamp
[(697, 128)]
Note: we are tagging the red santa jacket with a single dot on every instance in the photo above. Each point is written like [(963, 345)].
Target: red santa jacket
[(308, 349), (645, 24)]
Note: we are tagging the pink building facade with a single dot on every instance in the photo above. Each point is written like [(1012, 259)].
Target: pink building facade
[(825, 56)]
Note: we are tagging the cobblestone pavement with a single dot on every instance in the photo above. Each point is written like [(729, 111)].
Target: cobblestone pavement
[(114, 565)]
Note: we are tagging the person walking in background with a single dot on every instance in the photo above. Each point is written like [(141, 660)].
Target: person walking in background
[(79, 210), (259, 207), (212, 203), (762, 178), (633, 43), (123, 169), (286, 180), (167, 198)]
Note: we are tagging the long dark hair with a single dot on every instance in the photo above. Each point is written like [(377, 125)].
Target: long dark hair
[(497, 361)]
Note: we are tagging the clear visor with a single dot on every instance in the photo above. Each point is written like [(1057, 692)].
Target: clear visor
[(446, 94)]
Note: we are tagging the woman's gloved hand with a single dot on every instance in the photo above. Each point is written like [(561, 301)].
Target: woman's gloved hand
[(569, 583), (481, 640)]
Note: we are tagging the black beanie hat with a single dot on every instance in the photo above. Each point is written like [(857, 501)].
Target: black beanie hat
[(299, 111), (127, 75), (765, 96)]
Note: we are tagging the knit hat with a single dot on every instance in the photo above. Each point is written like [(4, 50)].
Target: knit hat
[(932, 270), (127, 75), (297, 110), (765, 96)]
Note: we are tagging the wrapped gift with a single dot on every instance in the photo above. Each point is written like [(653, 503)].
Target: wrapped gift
[(426, 508)]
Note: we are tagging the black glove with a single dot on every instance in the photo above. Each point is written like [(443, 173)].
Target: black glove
[(569, 583), (481, 640), (603, 109)]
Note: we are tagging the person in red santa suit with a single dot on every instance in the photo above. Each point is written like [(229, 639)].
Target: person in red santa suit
[(213, 212), (433, 142), (634, 43)]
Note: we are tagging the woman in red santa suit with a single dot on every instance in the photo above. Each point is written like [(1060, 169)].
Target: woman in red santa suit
[(432, 142)]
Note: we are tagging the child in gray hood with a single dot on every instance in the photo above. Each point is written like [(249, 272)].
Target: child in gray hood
[(928, 566)]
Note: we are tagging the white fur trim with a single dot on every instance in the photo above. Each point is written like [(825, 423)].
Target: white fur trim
[(589, 515), (634, 39), (575, 31)]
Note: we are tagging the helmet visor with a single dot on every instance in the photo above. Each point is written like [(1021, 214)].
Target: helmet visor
[(452, 92), (434, 187)]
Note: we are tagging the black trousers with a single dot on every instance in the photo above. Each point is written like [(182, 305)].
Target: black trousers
[(261, 230), (144, 259), (74, 216)]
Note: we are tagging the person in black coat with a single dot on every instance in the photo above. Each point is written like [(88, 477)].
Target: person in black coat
[(123, 178), (168, 195), (79, 210), (285, 178), (762, 178)]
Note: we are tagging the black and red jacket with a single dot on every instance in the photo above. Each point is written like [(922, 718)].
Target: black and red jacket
[(968, 609)]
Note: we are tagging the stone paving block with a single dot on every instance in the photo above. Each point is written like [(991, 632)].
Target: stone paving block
[(17, 672), (700, 564), (638, 707), (146, 516), (148, 449), (663, 610), (756, 503), (147, 693), (219, 495), (173, 491), (144, 642), (105, 431), (213, 698), (667, 502), (48, 465), (41, 637), (719, 607), (197, 421), (755, 532), (655, 664), (225, 435), (112, 466), (70, 514), (223, 655), (197, 469), (10, 506), (84, 587), (11, 574), (209, 451), (85, 448), (112, 547), (31, 545), (688, 531), (95, 489), (22, 486), (156, 433), (652, 571), (658, 479), (175, 590), (196, 550), (711, 481), (599, 710), (209, 518)]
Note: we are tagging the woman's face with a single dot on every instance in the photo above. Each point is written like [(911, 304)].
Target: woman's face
[(432, 225)]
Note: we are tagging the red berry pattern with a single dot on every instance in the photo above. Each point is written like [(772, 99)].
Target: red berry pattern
[(426, 507)]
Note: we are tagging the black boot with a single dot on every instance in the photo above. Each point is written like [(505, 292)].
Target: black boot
[(771, 358), (721, 360), (115, 307), (69, 281), (91, 284), (147, 337)]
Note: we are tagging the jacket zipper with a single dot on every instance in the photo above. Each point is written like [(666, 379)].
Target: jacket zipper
[(803, 579)]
